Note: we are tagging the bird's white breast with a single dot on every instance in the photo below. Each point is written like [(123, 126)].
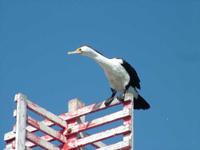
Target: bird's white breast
[(116, 74)]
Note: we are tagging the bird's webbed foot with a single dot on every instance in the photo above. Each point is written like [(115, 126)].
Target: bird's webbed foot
[(109, 101), (121, 98)]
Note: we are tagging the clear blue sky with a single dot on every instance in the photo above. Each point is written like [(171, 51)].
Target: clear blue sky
[(161, 40)]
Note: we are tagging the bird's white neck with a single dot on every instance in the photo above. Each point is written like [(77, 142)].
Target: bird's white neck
[(100, 59)]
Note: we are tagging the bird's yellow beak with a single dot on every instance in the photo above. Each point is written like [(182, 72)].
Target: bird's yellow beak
[(77, 51)]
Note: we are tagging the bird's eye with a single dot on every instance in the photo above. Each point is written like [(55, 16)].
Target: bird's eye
[(80, 49)]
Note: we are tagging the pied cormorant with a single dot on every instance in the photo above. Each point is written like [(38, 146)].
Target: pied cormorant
[(121, 76)]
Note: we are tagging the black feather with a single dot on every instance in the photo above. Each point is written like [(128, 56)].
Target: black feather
[(141, 103), (134, 79)]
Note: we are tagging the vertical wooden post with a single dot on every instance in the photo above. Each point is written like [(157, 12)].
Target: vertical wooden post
[(21, 121), (128, 121), (73, 105)]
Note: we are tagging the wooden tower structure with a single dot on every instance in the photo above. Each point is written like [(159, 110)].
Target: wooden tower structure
[(69, 131)]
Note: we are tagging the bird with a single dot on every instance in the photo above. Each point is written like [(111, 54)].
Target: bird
[(121, 76)]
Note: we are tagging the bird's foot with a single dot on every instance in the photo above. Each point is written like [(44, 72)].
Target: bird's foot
[(121, 98), (108, 101)]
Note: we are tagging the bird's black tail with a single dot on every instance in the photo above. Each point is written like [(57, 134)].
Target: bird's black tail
[(141, 103)]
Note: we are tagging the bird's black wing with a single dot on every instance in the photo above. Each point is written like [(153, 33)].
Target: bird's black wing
[(134, 79)]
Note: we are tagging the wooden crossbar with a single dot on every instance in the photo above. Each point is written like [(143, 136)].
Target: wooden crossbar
[(90, 109), (99, 121), (11, 146), (47, 138), (97, 144), (117, 146), (43, 112), (47, 130), (40, 142), (98, 136)]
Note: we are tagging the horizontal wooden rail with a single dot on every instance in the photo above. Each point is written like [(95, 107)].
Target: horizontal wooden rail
[(9, 136), (116, 146), (11, 146), (92, 108), (99, 121), (47, 130), (97, 144), (98, 136), (40, 142), (48, 115)]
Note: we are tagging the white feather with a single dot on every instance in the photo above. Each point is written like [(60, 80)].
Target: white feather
[(116, 74)]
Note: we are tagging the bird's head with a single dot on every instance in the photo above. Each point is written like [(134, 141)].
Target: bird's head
[(85, 51)]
